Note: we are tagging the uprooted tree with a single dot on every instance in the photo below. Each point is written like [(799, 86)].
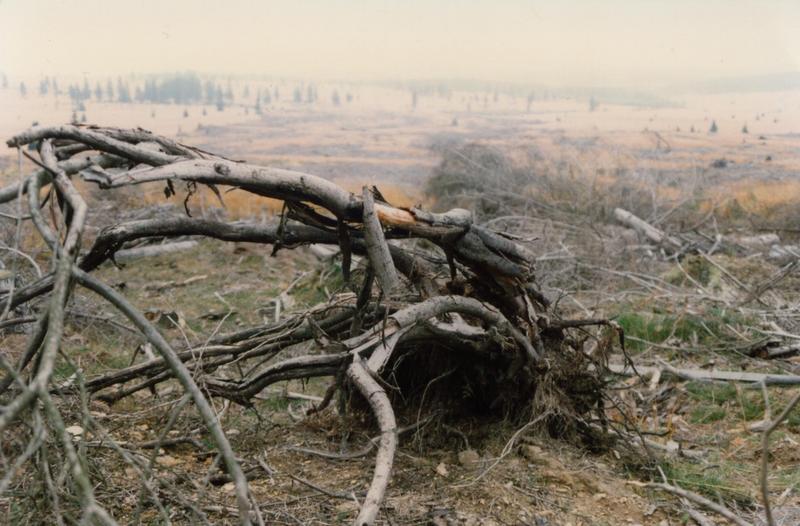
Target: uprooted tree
[(463, 298)]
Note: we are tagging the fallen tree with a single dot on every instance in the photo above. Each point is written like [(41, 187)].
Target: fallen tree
[(471, 305)]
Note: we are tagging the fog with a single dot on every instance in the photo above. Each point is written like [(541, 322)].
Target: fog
[(545, 252), (620, 43)]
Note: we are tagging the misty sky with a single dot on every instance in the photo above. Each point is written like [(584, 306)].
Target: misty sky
[(633, 42)]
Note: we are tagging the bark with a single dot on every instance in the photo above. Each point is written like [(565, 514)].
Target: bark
[(649, 231), (379, 402), (377, 250)]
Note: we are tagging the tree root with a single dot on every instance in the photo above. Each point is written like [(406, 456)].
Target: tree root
[(488, 325)]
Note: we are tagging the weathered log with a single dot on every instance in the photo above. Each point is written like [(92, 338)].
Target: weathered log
[(707, 375), (149, 251), (377, 250), (649, 231)]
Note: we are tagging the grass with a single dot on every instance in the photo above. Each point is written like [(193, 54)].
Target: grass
[(92, 357), (714, 402), (728, 481), (785, 476), (698, 269), (744, 405), (96, 347), (62, 371), (246, 285), (314, 288), (275, 403), (711, 392), (706, 330), (704, 414)]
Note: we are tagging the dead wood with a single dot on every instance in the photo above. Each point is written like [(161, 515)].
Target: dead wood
[(694, 242), (698, 499), (649, 231), (149, 251), (471, 304), (707, 375)]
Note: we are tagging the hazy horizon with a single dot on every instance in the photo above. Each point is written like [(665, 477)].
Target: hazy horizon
[(620, 43)]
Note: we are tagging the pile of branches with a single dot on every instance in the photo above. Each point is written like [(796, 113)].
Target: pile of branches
[(474, 308)]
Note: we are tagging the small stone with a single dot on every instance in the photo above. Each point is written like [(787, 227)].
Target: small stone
[(673, 447), (441, 470), (74, 430)]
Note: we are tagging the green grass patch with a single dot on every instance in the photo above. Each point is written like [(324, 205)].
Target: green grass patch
[(312, 290), (718, 393), (725, 480), (704, 414), (715, 401), (709, 329), (697, 268), (62, 370), (275, 403), (793, 420)]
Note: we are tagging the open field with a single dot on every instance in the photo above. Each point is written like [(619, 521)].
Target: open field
[(380, 136), (708, 309)]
